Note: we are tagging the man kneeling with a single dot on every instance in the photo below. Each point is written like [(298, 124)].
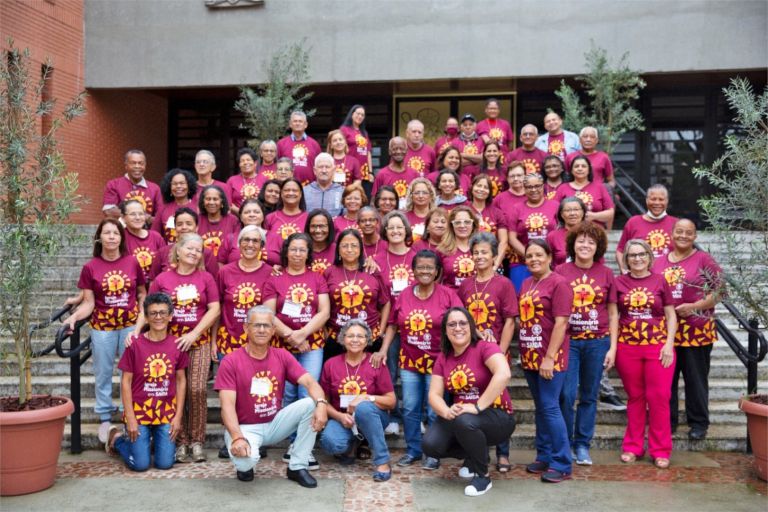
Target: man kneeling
[(250, 382)]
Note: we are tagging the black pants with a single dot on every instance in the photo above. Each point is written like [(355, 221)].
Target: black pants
[(468, 437), (693, 363)]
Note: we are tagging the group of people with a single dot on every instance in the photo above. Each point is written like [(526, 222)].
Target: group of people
[(315, 300)]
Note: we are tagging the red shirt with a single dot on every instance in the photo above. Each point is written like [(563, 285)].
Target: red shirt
[(532, 160), (145, 250), (346, 170), (122, 189), (341, 223), (443, 143), (397, 180), (556, 145), (657, 234), (457, 267), (355, 294), (239, 291), (466, 377), (396, 271), (602, 167), (359, 148), (339, 378), (419, 324), (491, 219), (154, 365), (259, 384), (421, 161), (490, 303), (497, 129), (165, 221), (533, 222), (469, 147), (641, 309), (214, 233), (230, 251), (594, 196), (418, 225), (114, 285), (498, 180), (303, 153), (243, 188), (285, 225), (163, 262), (593, 289), (506, 201), (540, 302), (321, 260)]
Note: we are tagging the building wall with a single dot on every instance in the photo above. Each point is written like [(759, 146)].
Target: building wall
[(183, 43), (93, 145)]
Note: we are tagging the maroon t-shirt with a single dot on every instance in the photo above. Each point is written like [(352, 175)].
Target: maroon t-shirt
[(303, 153), (154, 365), (340, 378), (259, 384), (457, 267), (491, 219), (657, 234), (355, 294), (191, 295), (532, 160), (690, 280), (419, 324), (397, 180), (239, 291), (359, 148), (470, 147), (466, 377), (443, 143), (540, 302), (230, 251), (506, 201), (556, 145), (593, 290), (145, 250), (223, 186), (497, 129), (346, 170), (373, 250), (165, 222), (533, 222), (341, 223), (321, 260), (418, 225), (122, 189), (556, 241), (602, 167), (464, 182), (594, 196), (285, 225), (496, 176), (396, 271), (163, 261), (243, 188), (214, 233), (297, 301), (114, 285), (641, 309), (490, 303), (421, 161)]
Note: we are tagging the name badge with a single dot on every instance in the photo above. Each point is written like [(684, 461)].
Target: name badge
[(260, 387), (401, 203), (170, 223), (339, 177), (291, 309), (345, 400), (186, 293), (418, 229), (399, 285)]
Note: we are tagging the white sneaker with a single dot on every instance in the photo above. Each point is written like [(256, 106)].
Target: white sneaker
[(479, 486), (465, 473), (393, 429), (104, 431)]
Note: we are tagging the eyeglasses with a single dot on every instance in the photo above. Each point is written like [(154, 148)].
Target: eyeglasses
[(298, 250), (395, 228), (349, 246), (425, 268), (460, 324), (462, 222), (158, 314), (320, 227), (249, 241), (533, 187), (355, 337), (260, 326), (637, 255)]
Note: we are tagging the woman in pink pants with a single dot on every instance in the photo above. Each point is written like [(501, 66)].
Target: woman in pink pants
[(645, 357)]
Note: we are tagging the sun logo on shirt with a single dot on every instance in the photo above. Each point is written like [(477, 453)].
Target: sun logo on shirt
[(157, 368), (496, 134), (551, 194), (482, 309), (115, 282), (401, 187), (556, 147), (319, 265), (267, 173), (585, 197), (639, 297), (658, 239), (300, 293), (264, 385), (419, 321), (530, 307), (417, 164), (352, 295), (246, 295), (144, 257), (299, 152), (186, 296), (249, 190), (287, 230), (531, 166), (674, 274), (462, 378), (212, 241), (361, 141), (141, 197), (352, 385), (470, 149), (536, 222), (464, 265), (401, 272)]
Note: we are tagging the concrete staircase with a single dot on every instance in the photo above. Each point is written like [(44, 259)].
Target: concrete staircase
[(727, 376)]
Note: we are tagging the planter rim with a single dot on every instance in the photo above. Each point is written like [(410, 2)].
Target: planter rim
[(39, 415)]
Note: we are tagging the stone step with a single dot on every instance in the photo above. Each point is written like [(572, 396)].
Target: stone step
[(607, 437)]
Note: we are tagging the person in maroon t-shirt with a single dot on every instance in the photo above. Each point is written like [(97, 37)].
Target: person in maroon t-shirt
[(595, 195), (153, 386), (360, 397), (602, 167), (420, 157), (346, 165), (645, 358), (554, 175), (419, 201), (435, 228), (454, 251), (132, 185), (469, 142), (451, 132), (395, 174), (143, 244), (352, 199), (251, 383), (205, 165), (179, 189), (696, 281), (267, 160), (545, 304), (495, 128), (300, 147), (319, 227), (216, 223), (291, 215), (251, 214), (531, 156), (243, 185), (557, 141), (450, 160), (570, 214), (475, 374), (368, 221), (593, 327), (186, 221), (492, 167), (356, 135)]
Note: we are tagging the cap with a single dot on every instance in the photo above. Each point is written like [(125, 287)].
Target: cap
[(468, 116)]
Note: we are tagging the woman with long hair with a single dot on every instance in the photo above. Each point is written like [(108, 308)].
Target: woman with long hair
[(595, 195), (570, 214), (291, 214), (554, 175), (346, 166), (454, 249), (356, 135), (492, 167), (319, 227), (186, 221), (492, 219), (145, 245), (419, 201), (216, 223), (269, 195)]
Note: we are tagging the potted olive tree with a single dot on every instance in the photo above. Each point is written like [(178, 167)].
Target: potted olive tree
[(740, 208), (37, 196)]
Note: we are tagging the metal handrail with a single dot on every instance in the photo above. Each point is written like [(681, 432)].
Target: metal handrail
[(55, 317)]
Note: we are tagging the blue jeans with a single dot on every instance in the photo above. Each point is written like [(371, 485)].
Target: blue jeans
[(370, 421), (312, 361), (585, 369), (415, 392), (393, 358), (106, 345), (551, 436), (517, 274), (136, 453)]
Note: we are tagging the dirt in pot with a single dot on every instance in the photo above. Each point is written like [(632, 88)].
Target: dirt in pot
[(11, 404)]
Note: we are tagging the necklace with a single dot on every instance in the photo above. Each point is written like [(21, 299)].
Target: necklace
[(357, 369)]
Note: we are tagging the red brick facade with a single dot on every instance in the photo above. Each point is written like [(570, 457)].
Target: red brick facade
[(116, 120)]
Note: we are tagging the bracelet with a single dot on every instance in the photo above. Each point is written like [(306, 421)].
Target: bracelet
[(238, 439), (478, 408), (321, 401)]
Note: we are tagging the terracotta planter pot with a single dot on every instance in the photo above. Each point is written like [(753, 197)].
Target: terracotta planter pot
[(30, 443), (757, 425)]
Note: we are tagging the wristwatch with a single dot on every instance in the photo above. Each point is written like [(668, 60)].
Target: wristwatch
[(321, 401), (371, 398)]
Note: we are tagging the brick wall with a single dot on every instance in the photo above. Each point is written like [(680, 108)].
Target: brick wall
[(115, 121)]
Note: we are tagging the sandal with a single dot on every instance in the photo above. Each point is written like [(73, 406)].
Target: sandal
[(503, 468), (628, 457), (112, 434), (382, 476), (661, 462)]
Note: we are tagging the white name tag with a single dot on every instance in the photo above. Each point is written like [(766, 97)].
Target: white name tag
[(291, 309), (186, 293), (399, 285), (418, 229), (401, 203), (260, 387), (170, 223), (345, 400), (339, 177)]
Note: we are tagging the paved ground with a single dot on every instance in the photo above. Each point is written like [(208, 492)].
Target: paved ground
[(713, 481)]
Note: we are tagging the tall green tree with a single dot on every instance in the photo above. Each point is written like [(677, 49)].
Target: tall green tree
[(37, 196), (268, 107), (738, 211), (610, 90)]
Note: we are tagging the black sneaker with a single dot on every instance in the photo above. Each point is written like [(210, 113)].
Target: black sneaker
[(537, 467), (223, 452), (245, 476), (697, 434), (312, 464), (553, 476), (613, 402), (430, 463), (479, 486)]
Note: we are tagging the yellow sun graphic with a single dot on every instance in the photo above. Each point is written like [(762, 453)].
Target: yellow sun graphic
[(461, 378), (115, 282), (157, 367), (299, 294), (419, 321), (417, 164), (658, 239), (246, 294), (674, 274), (638, 298), (536, 222)]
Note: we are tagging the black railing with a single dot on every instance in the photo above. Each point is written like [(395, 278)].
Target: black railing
[(78, 354)]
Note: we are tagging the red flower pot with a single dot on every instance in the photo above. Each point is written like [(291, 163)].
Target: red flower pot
[(757, 425)]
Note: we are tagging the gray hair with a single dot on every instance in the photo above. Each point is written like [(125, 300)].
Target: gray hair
[(265, 142), (355, 322), (251, 229), (535, 129), (413, 122), (484, 237), (533, 175), (299, 113), (642, 243), (206, 152), (134, 152), (261, 309), (658, 186), (588, 129), (366, 209), (324, 156)]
